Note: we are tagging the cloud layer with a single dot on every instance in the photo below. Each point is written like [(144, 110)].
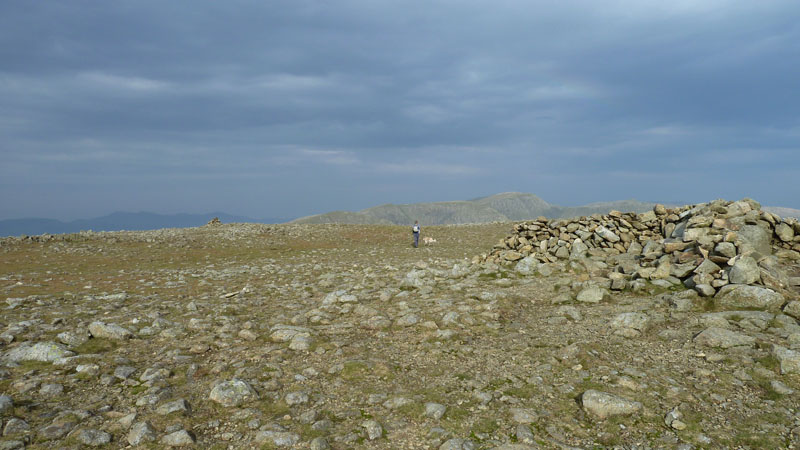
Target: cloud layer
[(298, 107)]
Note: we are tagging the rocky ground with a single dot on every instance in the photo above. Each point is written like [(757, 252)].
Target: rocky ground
[(336, 336)]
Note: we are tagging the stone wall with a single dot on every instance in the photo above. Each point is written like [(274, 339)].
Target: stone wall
[(714, 248)]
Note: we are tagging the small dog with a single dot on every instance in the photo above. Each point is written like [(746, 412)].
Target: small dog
[(428, 240)]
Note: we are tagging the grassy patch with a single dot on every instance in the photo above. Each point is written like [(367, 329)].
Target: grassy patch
[(770, 362), (97, 345), (136, 390), (462, 376), (413, 410), (768, 392), (274, 410), (485, 425), (499, 275), (588, 383), (355, 370), (750, 439), (308, 433), (526, 391), (27, 366)]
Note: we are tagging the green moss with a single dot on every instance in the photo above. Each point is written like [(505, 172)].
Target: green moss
[(308, 433), (485, 425), (526, 391), (354, 370), (412, 410), (274, 410), (456, 415), (136, 390)]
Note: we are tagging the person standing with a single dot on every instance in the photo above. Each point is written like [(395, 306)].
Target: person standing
[(415, 232)]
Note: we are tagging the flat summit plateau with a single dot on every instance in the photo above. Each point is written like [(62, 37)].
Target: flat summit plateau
[(669, 328)]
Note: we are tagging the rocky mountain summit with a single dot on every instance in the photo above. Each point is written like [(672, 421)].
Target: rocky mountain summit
[(621, 330)]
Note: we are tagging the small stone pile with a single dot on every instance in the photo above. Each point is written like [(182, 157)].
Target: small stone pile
[(214, 222), (705, 247)]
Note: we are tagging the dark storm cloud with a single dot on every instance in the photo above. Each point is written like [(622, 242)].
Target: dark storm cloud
[(206, 105)]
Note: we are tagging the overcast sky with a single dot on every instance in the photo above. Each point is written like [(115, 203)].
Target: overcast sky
[(289, 108)]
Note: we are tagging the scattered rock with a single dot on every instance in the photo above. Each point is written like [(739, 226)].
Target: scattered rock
[(15, 426), (277, 438), (6, 405), (176, 406), (140, 433), (435, 410), (373, 428), (233, 392), (179, 438), (296, 398), (93, 438)]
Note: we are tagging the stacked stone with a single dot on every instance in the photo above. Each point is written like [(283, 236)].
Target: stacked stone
[(705, 247), (596, 235)]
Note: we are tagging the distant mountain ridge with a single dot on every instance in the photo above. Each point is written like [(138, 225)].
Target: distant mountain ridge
[(504, 207), (119, 221)]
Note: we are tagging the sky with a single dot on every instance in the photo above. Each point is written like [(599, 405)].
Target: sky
[(291, 108)]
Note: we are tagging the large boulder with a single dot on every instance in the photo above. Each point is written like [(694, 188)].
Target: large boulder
[(527, 265), (233, 392), (592, 294), (40, 351), (789, 359), (742, 296), (109, 331), (723, 338), (784, 232), (744, 271), (754, 240), (603, 405), (630, 324)]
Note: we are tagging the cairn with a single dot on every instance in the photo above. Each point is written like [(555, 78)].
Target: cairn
[(711, 247)]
